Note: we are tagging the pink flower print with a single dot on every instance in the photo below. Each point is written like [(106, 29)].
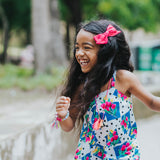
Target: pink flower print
[(107, 109), (76, 157), (87, 139), (114, 133), (95, 119), (103, 105), (129, 148), (135, 131), (87, 158), (113, 83), (122, 123), (125, 97), (125, 124), (77, 150), (109, 143), (115, 137), (127, 144), (104, 155), (127, 152), (113, 106), (126, 149), (122, 95), (108, 104), (112, 139), (123, 148), (100, 154)]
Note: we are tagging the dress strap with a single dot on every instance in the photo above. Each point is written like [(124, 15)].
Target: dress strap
[(113, 79)]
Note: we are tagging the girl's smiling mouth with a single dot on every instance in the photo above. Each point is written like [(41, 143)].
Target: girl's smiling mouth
[(83, 62)]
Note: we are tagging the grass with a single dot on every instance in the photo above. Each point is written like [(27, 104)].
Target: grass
[(12, 76)]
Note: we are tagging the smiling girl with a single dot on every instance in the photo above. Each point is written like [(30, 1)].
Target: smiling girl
[(99, 93)]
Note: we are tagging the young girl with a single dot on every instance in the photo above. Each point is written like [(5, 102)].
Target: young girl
[(98, 93)]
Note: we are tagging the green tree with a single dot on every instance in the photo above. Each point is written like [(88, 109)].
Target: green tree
[(5, 34), (71, 13), (15, 15), (18, 13), (132, 14)]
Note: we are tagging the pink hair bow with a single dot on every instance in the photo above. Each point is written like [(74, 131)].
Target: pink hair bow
[(103, 37)]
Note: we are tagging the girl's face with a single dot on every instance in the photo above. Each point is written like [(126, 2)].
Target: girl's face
[(86, 50)]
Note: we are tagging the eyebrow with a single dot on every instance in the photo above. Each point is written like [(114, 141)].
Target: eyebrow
[(86, 43)]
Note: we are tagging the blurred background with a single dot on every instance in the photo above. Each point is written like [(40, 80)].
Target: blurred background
[(36, 44)]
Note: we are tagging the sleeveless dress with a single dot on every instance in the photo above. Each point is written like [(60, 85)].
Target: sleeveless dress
[(116, 139)]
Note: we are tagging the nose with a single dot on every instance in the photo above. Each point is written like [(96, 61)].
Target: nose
[(80, 52)]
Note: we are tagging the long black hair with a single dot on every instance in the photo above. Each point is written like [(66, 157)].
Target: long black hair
[(112, 56)]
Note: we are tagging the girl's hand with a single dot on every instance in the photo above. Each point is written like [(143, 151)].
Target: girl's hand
[(62, 106)]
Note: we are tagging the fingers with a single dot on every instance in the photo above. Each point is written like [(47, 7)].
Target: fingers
[(63, 99), (59, 106), (68, 99), (62, 106), (59, 109), (63, 103)]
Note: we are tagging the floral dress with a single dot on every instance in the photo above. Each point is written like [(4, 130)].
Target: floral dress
[(116, 139)]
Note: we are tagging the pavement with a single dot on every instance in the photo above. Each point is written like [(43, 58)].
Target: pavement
[(148, 137), (25, 115), (21, 110)]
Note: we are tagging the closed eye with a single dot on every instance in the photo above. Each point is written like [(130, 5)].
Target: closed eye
[(76, 48), (86, 47)]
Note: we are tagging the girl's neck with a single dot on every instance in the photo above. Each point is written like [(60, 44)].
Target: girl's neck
[(105, 87)]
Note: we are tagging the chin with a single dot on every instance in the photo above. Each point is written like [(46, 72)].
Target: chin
[(85, 70)]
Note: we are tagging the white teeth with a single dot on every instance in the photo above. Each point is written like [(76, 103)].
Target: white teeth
[(84, 62)]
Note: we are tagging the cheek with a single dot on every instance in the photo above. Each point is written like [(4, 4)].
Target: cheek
[(94, 60)]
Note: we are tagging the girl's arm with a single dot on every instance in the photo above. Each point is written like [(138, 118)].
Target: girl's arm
[(62, 106), (67, 125), (136, 88)]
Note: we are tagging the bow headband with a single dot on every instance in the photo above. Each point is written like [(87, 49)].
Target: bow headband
[(103, 37)]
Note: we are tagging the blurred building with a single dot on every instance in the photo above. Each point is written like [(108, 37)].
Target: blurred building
[(146, 55)]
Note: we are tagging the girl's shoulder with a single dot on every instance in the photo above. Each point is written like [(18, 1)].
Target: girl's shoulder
[(124, 81), (124, 75)]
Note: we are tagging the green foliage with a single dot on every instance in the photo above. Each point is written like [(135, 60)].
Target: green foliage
[(64, 11), (89, 9), (131, 14), (15, 76), (18, 13)]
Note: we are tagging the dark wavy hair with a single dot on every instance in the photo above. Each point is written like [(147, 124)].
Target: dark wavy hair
[(112, 56)]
